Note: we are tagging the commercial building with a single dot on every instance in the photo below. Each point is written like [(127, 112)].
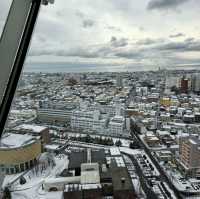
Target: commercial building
[(195, 83), (52, 112), (18, 152), (88, 120), (54, 115), (110, 109), (165, 101), (122, 186), (184, 85), (102, 174), (77, 158), (151, 139), (119, 81), (78, 191), (117, 125), (189, 118)]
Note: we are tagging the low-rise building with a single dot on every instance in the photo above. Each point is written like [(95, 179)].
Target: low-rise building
[(151, 139)]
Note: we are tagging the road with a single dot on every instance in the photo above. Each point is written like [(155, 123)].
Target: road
[(146, 188), (163, 176)]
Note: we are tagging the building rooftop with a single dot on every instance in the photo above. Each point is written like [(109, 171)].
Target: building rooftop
[(79, 187), (114, 151), (77, 158), (11, 140), (29, 127), (120, 174)]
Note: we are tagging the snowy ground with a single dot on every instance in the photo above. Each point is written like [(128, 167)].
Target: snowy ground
[(125, 142), (32, 189), (131, 151)]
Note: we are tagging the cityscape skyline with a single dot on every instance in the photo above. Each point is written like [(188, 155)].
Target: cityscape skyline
[(105, 104), (141, 125)]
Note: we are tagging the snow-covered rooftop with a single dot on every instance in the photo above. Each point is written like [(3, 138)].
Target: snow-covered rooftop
[(52, 146), (114, 151), (30, 127), (11, 140), (120, 161)]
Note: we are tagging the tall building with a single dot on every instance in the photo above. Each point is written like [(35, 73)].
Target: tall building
[(195, 83), (170, 82), (184, 85), (190, 155), (119, 81)]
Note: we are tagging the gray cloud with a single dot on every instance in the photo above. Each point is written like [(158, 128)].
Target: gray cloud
[(88, 23), (177, 35), (107, 50), (190, 39), (149, 41), (118, 42), (164, 4), (79, 14), (185, 46), (113, 28), (113, 39), (66, 22), (141, 29), (76, 52), (129, 55), (82, 52), (148, 50)]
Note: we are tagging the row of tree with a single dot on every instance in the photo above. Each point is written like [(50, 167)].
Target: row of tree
[(97, 140)]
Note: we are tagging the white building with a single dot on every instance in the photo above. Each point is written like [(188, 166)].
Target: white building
[(60, 112), (117, 125), (110, 109), (88, 120)]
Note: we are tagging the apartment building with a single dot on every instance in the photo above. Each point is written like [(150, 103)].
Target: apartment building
[(190, 155)]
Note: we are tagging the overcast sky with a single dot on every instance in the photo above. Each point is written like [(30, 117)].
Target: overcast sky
[(127, 32)]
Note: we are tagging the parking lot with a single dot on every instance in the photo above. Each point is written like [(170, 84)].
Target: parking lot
[(147, 166)]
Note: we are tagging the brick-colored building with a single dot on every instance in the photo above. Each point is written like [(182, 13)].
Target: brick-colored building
[(18, 152)]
